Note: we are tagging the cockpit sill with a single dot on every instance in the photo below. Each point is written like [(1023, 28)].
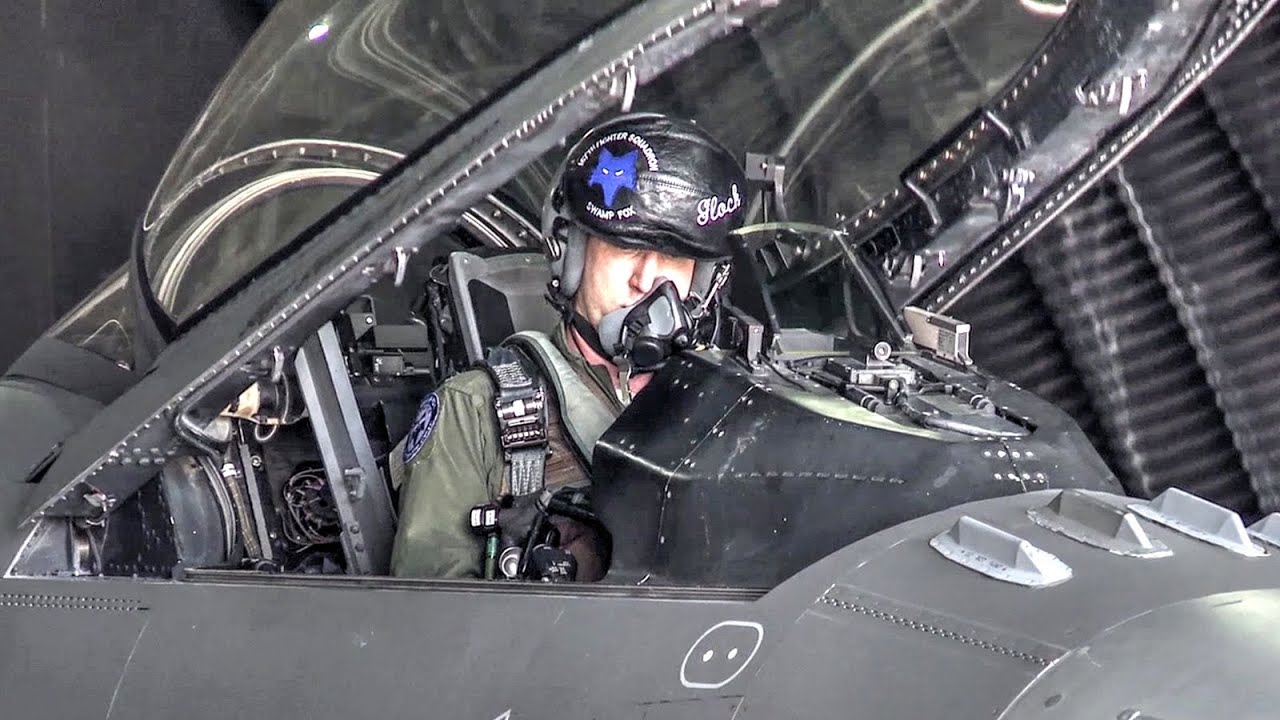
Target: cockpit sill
[(355, 582)]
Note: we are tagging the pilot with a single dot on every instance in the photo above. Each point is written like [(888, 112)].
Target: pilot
[(636, 225)]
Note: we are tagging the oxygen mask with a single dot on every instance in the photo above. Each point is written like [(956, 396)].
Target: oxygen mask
[(650, 330)]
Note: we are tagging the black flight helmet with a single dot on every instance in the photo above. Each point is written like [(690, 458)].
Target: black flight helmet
[(650, 182)]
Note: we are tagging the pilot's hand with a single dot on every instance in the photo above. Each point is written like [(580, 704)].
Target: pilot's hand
[(584, 543)]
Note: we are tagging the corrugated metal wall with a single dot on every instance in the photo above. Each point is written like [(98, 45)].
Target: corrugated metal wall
[(1151, 310)]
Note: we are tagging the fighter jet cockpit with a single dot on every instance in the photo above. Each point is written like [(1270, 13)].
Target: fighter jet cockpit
[(808, 410), (814, 489)]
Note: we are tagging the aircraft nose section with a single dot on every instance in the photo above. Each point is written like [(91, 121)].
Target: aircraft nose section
[(874, 657), (894, 626), (1202, 658)]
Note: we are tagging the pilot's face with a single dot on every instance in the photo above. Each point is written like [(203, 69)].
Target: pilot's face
[(614, 277)]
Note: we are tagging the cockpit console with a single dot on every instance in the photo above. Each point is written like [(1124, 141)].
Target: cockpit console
[(726, 474)]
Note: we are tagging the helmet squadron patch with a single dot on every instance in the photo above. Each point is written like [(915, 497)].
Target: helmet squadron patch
[(613, 174), (616, 160)]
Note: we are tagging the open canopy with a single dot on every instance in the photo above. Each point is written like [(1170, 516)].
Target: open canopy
[(328, 96)]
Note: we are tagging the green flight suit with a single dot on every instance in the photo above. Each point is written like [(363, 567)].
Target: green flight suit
[(460, 465)]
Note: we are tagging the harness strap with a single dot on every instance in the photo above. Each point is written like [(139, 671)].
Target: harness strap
[(520, 404), (585, 415)]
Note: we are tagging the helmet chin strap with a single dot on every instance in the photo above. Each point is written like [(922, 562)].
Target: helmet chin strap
[(588, 333), (569, 313)]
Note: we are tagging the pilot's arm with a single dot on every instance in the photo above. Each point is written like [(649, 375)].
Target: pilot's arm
[(451, 462)]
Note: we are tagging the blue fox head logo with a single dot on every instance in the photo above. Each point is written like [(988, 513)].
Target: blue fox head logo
[(613, 173)]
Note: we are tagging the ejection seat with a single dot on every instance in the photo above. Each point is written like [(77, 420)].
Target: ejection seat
[(496, 296), (493, 297)]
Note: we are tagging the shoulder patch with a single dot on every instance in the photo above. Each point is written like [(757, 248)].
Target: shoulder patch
[(423, 425)]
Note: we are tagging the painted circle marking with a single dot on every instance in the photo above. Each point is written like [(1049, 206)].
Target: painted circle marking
[(684, 666)]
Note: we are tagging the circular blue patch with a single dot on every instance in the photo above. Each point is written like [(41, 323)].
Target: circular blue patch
[(423, 424)]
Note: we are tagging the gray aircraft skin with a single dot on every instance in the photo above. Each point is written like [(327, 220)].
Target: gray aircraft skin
[(141, 583)]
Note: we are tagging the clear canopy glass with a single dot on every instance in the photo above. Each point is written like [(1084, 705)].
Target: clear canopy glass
[(330, 94)]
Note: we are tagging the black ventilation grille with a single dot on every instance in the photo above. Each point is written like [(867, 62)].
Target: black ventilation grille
[(1014, 337), (1245, 95), (1140, 370), (1215, 247), (1151, 309)]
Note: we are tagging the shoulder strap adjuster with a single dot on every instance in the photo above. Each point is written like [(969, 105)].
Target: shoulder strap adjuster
[(585, 415), (520, 405)]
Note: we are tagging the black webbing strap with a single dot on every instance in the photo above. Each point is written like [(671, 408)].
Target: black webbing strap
[(521, 407)]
